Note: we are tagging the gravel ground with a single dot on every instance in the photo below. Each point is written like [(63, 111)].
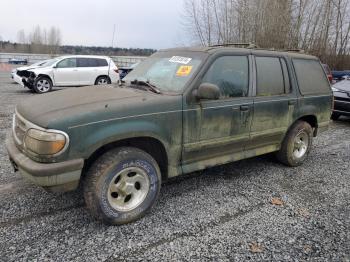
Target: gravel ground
[(256, 209)]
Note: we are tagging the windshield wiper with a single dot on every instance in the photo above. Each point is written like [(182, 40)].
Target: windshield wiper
[(147, 84)]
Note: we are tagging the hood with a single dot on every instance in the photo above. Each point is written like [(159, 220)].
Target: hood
[(343, 85), (22, 68), (76, 106)]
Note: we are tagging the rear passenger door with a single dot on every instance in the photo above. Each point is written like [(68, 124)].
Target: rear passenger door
[(90, 69), (274, 104)]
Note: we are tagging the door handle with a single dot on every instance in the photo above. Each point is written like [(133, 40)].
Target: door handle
[(291, 102), (244, 108)]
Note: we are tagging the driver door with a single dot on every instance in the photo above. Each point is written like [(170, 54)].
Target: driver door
[(66, 72), (216, 131)]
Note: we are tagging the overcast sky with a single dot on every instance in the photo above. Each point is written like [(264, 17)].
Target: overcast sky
[(139, 23)]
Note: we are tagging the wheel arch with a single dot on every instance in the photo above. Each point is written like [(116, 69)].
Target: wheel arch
[(102, 76), (45, 75), (311, 120), (151, 145)]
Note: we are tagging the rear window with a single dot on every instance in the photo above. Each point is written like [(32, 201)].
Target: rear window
[(269, 76), (91, 62), (311, 77)]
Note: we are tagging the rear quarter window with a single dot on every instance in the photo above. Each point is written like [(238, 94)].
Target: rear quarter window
[(311, 77), (102, 62)]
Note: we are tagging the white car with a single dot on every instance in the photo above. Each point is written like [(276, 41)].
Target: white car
[(70, 71), (32, 66)]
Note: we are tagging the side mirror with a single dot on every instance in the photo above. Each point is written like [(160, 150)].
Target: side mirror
[(207, 91)]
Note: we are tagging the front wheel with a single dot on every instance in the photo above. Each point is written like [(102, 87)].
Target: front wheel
[(122, 185), (42, 85), (296, 145)]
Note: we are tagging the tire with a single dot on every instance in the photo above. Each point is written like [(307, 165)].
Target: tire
[(42, 85), (335, 116), (296, 145), (122, 185), (103, 80)]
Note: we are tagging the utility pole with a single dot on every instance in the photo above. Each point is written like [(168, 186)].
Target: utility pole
[(113, 35)]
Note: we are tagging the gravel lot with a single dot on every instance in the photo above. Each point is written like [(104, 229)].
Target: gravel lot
[(232, 212)]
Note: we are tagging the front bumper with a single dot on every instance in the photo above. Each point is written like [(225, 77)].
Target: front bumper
[(57, 177)]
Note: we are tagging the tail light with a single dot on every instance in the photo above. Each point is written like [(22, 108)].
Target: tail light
[(330, 78)]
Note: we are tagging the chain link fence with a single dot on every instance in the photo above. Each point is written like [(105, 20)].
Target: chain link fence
[(120, 61)]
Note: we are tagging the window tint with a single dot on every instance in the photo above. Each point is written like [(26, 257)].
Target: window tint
[(311, 77), (91, 62), (102, 62), (269, 76), (230, 74), (68, 62)]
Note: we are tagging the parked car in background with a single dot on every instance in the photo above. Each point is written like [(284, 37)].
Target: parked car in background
[(328, 72), (181, 110), (123, 71), (18, 61), (70, 71), (32, 66), (341, 92), (339, 75)]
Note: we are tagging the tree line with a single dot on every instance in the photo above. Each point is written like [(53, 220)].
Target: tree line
[(49, 41), (319, 27)]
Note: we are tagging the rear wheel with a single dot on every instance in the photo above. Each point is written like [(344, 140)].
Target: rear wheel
[(296, 145), (122, 185), (102, 80), (42, 85)]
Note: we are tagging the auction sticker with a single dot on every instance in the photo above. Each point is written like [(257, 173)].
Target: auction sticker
[(184, 70), (180, 59)]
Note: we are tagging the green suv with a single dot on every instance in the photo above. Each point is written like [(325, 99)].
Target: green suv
[(179, 111)]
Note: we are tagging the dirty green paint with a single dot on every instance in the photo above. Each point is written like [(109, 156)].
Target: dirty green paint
[(196, 134)]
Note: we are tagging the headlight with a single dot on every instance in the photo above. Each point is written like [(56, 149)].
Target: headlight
[(334, 89), (44, 142)]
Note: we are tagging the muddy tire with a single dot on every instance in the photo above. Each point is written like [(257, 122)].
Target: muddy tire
[(296, 145), (102, 80), (335, 116), (122, 185), (42, 85)]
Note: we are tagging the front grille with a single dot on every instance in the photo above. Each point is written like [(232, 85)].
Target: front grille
[(338, 98)]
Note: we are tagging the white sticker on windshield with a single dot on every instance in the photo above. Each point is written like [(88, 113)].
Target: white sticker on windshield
[(180, 59)]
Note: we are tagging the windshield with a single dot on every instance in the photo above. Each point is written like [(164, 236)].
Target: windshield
[(39, 63), (167, 71), (343, 85), (49, 62)]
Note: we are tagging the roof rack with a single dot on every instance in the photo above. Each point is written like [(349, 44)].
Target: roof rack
[(245, 45), (297, 50)]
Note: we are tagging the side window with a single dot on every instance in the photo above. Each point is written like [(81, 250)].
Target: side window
[(269, 76), (83, 62), (311, 77), (93, 62), (67, 63), (101, 62), (230, 74)]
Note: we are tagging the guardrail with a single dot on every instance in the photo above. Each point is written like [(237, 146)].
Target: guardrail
[(33, 58)]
